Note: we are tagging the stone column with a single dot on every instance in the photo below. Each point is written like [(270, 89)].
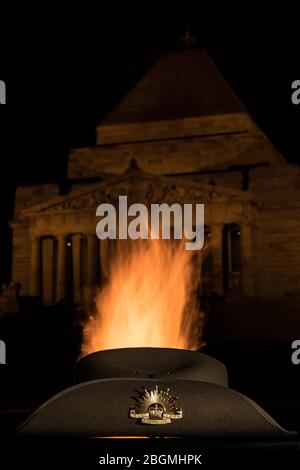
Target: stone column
[(247, 279), (104, 257), (48, 270), (76, 257), (35, 269), (92, 260), (198, 260), (61, 268), (217, 259)]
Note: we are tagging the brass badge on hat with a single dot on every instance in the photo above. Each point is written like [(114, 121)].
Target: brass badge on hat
[(156, 407)]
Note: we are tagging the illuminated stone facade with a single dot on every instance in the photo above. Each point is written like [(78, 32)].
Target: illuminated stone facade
[(193, 141)]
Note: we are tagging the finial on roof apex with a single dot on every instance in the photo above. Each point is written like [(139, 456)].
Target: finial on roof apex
[(187, 40), (133, 167)]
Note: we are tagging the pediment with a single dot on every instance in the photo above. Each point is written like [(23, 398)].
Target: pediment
[(139, 187)]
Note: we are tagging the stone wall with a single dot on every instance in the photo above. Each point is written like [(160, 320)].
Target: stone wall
[(21, 258), (174, 156), (270, 227), (277, 253), (26, 196), (277, 241)]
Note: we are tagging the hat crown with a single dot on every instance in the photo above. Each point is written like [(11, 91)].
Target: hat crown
[(160, 363)]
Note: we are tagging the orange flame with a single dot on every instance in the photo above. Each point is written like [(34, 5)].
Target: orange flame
[(150, 300)]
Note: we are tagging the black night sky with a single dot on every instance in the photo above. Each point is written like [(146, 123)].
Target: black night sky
[(65, 69)]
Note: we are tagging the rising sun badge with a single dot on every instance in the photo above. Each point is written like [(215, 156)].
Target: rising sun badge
[(156, 407)]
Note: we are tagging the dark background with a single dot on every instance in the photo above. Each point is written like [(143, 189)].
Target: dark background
[(65, 68)]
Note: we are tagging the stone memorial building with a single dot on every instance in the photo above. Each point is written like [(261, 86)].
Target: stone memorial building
[(180, 135)]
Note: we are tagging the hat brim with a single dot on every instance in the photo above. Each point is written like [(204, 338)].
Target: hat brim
[(101, 408)]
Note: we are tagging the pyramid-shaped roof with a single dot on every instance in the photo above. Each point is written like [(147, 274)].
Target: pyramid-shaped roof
[(179, 85), (181, 117), (183, 94)]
